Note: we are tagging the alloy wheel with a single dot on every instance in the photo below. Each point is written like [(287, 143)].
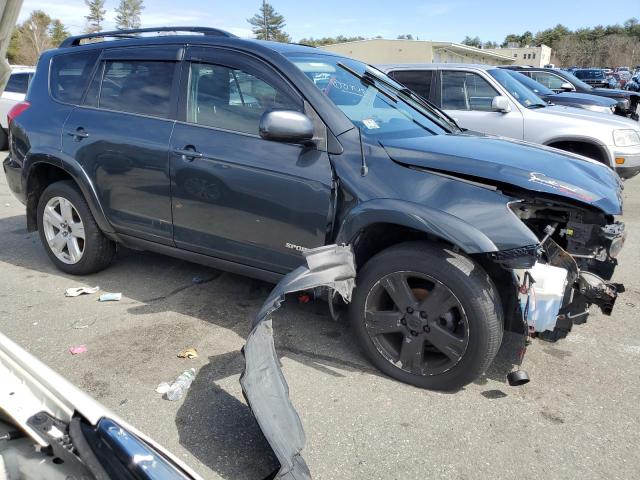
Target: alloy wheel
[(64, 230)]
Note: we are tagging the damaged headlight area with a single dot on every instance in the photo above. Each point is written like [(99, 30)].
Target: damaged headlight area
[(576, 259), (263, 383)]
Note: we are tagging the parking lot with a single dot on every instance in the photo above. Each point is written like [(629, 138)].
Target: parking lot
[(578, 418)]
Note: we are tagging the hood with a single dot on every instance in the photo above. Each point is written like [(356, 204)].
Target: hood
[(601, 121), (524, 165), (582, 98), (613, 92)]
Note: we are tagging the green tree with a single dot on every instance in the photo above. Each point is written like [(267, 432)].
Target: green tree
[(58, 32), (128, 14), (511, 38), (95, 16), (472, 42), (407, 36), (33, 37), (268, 24), (317, 42), (490, 44)]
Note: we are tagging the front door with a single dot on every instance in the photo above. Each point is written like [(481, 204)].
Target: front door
[(467, 97), (120, 136), (235, 195)]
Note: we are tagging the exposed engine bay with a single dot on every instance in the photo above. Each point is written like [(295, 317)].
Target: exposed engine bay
[(575, 261)]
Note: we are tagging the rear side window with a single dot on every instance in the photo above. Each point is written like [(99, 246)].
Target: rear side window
[(466, 91), (70, 75), (417, 80), (548, 80), (18, 83), (142, 87)]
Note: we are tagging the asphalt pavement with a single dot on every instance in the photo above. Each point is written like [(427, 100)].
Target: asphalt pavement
[(578, 418)]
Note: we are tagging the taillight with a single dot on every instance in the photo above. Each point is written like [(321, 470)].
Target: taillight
[(16, 110)]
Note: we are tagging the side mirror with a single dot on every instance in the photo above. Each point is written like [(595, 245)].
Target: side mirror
[(286, 126), (567, 87), (500, 104)]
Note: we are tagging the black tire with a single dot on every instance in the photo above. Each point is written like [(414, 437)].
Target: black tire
[(98, 250), (476, 301), (4, 139)]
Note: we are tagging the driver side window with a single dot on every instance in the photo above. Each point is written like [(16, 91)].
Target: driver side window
[(548, 80), (466, 91)]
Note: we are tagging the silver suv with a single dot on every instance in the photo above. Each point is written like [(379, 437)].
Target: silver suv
[(487, 99)]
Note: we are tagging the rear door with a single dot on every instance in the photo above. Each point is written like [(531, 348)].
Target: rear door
[(240, 197), (467, 97), (120, 135)]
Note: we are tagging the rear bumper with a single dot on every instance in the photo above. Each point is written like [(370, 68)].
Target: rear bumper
[(13, 172)]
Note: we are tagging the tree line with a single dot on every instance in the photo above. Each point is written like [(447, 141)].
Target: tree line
[(611, 45), (40, 32)]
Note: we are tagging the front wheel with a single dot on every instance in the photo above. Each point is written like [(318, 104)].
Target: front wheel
[(427, 316), (69, 232)]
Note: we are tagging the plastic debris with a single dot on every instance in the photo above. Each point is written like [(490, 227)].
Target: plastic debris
[(304, 298), (77, 349), (75, 291), (80, 324), (196, 280), (163, 387), (190, 352), (110, 297), (181, 385)]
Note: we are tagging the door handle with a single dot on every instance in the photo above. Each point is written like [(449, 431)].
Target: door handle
[(79, 134), (188, 153)]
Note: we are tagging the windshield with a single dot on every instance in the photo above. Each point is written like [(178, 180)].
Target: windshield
[(531, 84), (375, 103), (517, 90), (589, 74), (576, 81)]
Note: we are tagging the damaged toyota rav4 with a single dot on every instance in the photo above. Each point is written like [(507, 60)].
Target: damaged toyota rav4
[(242, 155)]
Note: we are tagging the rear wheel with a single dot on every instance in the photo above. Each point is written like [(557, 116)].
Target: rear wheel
[(427, 316), (69, 232)]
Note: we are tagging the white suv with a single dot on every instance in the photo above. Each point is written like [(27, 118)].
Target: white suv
[(14, 92), (489, 100)]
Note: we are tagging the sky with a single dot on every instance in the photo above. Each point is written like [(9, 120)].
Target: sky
[(427, 19)]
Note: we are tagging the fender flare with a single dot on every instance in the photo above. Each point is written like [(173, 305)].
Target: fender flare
[(78, 175), (418, 217)]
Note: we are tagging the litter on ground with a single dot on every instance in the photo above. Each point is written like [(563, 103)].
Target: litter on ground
[(75, 291), (190, 352), (78, 349), (110, 297)]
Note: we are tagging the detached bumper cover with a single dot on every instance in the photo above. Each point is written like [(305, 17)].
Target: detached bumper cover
[(263, 383)]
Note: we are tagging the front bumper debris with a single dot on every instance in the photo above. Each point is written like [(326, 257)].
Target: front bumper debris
[(263, 384)]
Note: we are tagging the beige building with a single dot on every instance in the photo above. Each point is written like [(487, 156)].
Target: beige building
[(379, 51), (534, 56)]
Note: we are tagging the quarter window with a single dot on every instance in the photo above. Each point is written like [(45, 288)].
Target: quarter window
[(466, 91), (70, 74), (18, 83), (142, 87), (417, 80), (232, 99)]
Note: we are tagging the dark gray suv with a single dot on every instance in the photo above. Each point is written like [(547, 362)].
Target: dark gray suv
[(241, 154)]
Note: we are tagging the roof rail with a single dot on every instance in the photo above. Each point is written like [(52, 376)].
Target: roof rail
[(76, 40)]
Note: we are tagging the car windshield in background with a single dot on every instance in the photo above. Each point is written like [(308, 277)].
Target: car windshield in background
[(375, 103), (576, 81), (589, 73), (530, 83), (517, 90)]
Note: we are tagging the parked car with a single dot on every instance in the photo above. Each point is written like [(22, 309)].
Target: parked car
[(591, 76), (592, 103), (560, 80), (488, 99), (14, 92), (138, 141)]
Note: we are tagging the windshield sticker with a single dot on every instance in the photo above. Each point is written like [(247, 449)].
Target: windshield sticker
[(563, 187), (370, 123)]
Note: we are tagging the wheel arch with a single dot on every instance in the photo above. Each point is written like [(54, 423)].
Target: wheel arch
[(581, 144), (377, 224), (43, 170)]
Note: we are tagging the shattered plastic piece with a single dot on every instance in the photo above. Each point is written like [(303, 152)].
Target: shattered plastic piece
[(190, 352), (75, 291), (304, 298), (78, 349), (110, 297), (163, 387), (263, 382)]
